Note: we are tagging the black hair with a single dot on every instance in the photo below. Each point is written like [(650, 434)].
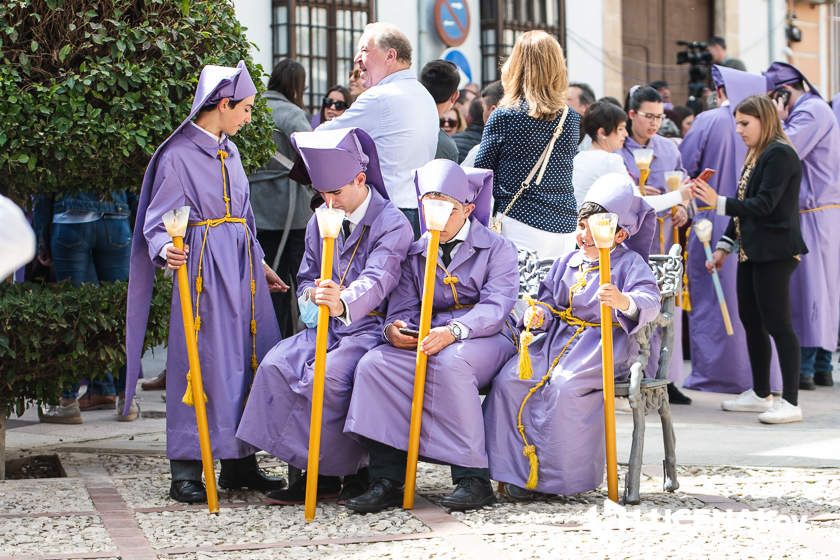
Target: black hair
[(601, 114), (659, 84), (289, 78), (717, 40), (678, 114), (587, 96), (463, 93), (492, 93), (231, 103), (345, 93), (441, 78), (476, 112), (588, 209), (642, 94), (611, 99)]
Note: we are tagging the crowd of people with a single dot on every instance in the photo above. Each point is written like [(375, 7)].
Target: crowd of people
[(524, 163)]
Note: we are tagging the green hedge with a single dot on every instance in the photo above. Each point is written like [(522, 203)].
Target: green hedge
[(90, 88), (51, 336)]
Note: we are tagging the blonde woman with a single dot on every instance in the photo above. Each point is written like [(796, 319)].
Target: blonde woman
[(529, 142), (765, 236)]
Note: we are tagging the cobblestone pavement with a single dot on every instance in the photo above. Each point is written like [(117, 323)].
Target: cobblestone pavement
[(116, 506)]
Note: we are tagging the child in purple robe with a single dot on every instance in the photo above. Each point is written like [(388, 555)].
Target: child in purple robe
[(198, 166), (547, 435), (476, 286), (343, 166)]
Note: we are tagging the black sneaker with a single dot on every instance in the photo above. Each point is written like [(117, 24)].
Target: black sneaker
[(470, 493), (328, 488), (675, 396), (807, 384), (381, 494), (823, 379)]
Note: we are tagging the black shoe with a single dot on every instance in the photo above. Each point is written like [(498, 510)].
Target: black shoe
[(520, 494), (823, 379), (328, 488), (807, 384), (354, 486), (187, 491), (471, 493), (675, 396), (381, 494), (244, 473)]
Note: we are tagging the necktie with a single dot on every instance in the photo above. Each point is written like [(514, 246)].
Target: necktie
[(447, 248), (345, 228)]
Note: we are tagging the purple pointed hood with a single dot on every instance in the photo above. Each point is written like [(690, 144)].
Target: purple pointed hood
[(214, 84), (781, 73), (739, 85), (614, 191), (468, 185)]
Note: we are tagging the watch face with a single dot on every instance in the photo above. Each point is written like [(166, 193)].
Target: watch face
[(456, 330)]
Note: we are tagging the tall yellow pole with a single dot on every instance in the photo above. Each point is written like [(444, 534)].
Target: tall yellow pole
[(318, 388), (196, 383), (420, 370), (609, 380)]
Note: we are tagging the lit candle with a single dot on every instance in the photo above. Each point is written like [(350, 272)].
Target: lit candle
[(329, 225), (176, 221), (602, 227), (436, 213), (703, 231)]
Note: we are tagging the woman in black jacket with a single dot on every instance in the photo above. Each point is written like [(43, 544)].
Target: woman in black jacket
[(764, 232)]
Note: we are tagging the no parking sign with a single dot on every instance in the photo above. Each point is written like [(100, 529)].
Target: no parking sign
[(452, 21)]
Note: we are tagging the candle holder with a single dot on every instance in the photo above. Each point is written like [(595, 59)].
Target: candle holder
[(329, 221), (602, 227), (703, 231), (643, 158), (176, 221), (436, 213), (673, 179)]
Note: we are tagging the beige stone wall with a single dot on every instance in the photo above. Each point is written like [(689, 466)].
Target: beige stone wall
[(612, 49), (806, 54)]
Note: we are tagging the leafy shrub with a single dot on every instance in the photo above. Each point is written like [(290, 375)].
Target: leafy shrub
[(91, 87), (51, 336)]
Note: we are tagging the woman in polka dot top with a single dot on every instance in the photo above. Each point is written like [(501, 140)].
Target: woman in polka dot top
[(544, 217)]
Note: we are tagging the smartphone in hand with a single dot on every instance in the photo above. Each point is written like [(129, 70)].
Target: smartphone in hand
[(409, 332), (706, 174)]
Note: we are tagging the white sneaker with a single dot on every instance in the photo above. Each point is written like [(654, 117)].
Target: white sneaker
[(782, 413), (748, 401)]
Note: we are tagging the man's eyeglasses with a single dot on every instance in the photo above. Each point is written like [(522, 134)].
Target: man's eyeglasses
[(339, 105), (452, 123), (653, 117)]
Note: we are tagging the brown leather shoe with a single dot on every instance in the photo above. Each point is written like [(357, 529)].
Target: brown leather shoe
[(97, 402), (156, 384)]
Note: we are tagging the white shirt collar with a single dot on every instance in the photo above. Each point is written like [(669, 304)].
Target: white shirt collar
[(398, 75), (359, 213), (724, 103), (218, 139), (463, 232)]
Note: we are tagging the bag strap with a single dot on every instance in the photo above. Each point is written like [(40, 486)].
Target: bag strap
[(542, 162)]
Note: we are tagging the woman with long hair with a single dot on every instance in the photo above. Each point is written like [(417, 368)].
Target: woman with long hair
[(281, 206), (764, 233), (529, 142), (335, 102)]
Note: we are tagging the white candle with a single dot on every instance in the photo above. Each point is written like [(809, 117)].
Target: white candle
[(602, 227), (703, 230), (329, 221), (436, 212), (175, 221)]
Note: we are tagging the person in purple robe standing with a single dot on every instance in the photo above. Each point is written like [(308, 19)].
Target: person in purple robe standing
[(476, 286), (200, 167), (645, 110), (546, 434), (719, 362), (340, 164), (815, 133)]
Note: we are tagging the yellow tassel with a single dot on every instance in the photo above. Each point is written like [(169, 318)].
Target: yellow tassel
[(533, 476), (686, 296), (187, 399), (526, 371), (199, 284), (197, 323)]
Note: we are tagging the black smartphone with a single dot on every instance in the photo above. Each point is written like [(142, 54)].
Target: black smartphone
[(781, 93), (409, 332)]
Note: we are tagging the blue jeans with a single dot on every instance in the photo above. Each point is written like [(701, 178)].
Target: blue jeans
[(93, 252), (814, 360)]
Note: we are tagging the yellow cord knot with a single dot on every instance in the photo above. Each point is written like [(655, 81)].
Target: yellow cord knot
[(253, 287), (526, 371), (197, 325), (187, 399), (450, 280), (533, 475), (254, 363), (222, 154)]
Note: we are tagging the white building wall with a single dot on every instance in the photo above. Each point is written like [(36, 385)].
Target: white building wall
[(585, 43), (255, 15), (756, 23)]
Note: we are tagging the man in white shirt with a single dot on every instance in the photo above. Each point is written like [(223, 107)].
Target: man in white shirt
[(396, 111)]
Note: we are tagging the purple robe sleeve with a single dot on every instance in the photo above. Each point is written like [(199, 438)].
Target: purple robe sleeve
[(310, 265), (692, 147), (804, 130), (404, 302), (381, 273), (167, 194), (498, 293), (638, 283)]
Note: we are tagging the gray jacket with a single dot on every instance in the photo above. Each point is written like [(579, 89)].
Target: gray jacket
[(271, 189)]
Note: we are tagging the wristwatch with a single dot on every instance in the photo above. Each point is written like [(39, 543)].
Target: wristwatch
[(456, 330)]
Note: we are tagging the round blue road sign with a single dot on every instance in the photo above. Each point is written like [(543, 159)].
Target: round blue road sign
[(452, 21)]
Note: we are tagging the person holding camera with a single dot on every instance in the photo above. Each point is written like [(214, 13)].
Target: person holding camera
[(764, 233), (809, 123)]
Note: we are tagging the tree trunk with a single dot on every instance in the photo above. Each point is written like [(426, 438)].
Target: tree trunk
[(4, 412)]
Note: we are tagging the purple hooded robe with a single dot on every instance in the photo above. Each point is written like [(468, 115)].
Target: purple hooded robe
[(186, 170)]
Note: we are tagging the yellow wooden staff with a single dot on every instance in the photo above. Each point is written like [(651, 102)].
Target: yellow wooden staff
[(602, 227), (436, 213), (329, 225), (176, 222)]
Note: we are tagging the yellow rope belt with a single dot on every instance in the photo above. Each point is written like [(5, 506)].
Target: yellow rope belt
[(818, 208)]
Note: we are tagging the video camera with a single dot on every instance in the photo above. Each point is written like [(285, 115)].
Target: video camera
[(699, 61), (695, 53)]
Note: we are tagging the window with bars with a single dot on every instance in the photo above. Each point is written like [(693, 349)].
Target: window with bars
[(502, 21), (322, 36)]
